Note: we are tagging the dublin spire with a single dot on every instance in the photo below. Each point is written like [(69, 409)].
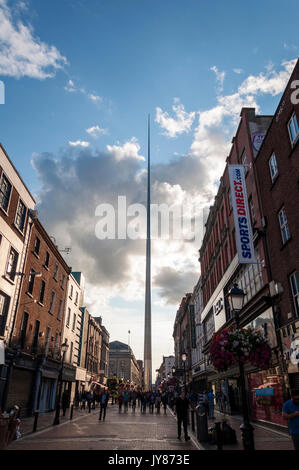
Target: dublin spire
[(148, 308)]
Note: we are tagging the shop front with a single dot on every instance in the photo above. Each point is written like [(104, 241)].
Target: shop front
[(266, 396), (290, 345)]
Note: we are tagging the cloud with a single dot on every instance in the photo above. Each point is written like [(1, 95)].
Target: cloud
[(71, 87), (96, 131), (220, 76), (22, 54), (79, 143), (129, 150), (175, 126), (173, 284), (238, 71)]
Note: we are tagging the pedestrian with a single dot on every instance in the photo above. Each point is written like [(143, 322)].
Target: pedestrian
[(104, 397), (120, 401), (152, 403), (164, 401), (203, 401), (290, 411), (134, 400), (211, 397), (181, 411), (158, 403), (143, 403), (89, 400), (83, 400), (126, 401), (65, 401)]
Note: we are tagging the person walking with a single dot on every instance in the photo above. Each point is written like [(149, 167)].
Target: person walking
[(211, 397), (120, 401), (65, 401), (203, 400), (83, 400), (126, 400), (143, 403), (104, 397), (164, 401), (152, 403), (134, 399), (290, 411), (181, 411), (158, 403), (89, 400)]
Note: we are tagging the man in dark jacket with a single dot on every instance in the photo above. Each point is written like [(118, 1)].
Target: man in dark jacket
[(181, 410), (103, 403)]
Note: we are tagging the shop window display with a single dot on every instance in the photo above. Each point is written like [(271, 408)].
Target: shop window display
[(266, 396)]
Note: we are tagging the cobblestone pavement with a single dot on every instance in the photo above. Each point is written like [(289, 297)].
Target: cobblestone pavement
[(125, 431)]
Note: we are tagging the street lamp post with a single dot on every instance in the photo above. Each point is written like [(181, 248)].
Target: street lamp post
[(64, 348), (236, 299), (184, 358)]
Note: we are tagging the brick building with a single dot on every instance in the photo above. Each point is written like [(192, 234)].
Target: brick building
[(277, 165), (16, 211), (37, 333)]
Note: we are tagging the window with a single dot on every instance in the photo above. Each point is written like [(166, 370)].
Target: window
[(71, 352), (5, 191), (68, 317), (77, 295), (74, 322), (284, 228), (42, 292), (4, 306), (71, 293), (59, 310), (294, 280), (56, 344), (293, 129), (273, 167), (56, 272), (47, 340), (63, 281), (36, 246), (21, 216), (47, 259), (31, 282), (12, 264), (244, 162), (35, 336), (52, 302), (24, 330)]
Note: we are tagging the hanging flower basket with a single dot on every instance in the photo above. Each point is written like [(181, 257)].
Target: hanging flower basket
[(228, 346)]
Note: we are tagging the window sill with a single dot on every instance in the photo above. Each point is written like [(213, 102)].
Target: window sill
[(51, 313), (56, 280), (9, 280), (35, 254), (4, 211), (46, 267), (41, 304), (286, 243), (274, 181), (29, 295), (19, 230)]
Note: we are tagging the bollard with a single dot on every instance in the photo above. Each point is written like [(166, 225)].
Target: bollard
[(192, 420), (72, 410), (219, 436), (36, 413)]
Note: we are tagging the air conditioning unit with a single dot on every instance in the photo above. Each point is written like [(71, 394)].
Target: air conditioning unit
[(275, 288)]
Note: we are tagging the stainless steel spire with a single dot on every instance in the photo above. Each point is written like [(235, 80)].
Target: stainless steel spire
[(148, 309)]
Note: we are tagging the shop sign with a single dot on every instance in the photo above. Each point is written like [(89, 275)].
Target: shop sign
[(265, 392), (243, 230), (219, 310)]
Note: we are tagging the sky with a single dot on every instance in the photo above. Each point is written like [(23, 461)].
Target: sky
[(81, 77)]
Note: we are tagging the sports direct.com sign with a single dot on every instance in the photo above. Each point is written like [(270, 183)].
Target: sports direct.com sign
[(244, 239)]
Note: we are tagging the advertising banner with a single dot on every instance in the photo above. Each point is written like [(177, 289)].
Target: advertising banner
[(244, 238)]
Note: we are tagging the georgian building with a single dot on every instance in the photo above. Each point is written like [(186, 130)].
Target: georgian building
[(16, 215)]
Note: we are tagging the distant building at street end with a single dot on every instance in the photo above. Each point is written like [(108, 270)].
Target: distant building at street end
[(123, 364)]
